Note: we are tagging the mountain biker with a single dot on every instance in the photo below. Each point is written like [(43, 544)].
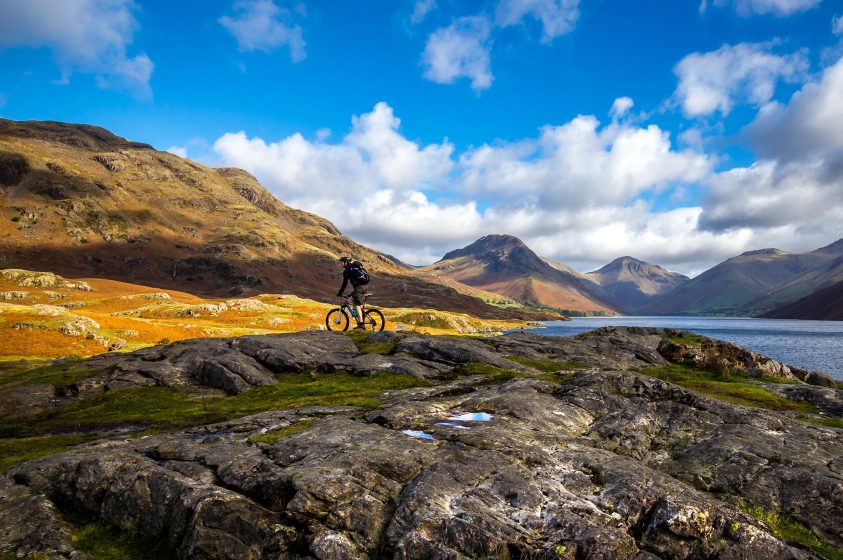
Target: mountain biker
[(354, 272)]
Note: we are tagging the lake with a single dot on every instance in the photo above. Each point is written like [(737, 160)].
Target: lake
[(811, 345)]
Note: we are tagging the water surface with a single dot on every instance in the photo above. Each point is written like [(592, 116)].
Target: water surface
[(811, 345)]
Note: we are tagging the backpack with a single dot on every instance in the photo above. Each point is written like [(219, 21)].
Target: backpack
[(357, 274)]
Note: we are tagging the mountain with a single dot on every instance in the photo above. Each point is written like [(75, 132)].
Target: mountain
[(825, 304), (80, 201), (503, 264), (753, 282), (630, 284)]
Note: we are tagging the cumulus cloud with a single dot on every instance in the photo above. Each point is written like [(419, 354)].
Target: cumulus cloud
[(808, 129), (87, 36), (620, 107), (795, 191), (373, 156), (460, 50), (744, 73), (779, 8), (574, 192), (421, 9), (837, 25), (557, 17), (261, 25), (578, 164)]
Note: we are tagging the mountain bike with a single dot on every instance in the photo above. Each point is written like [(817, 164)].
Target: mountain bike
[(338, 319)]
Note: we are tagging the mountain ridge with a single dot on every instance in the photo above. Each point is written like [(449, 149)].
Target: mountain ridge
[(631, 283), (504, 265)]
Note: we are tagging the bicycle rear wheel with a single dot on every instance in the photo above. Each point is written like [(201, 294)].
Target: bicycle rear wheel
[(374, 320), (336, 320)]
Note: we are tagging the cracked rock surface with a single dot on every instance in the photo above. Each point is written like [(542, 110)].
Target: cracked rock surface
[(604, 464)]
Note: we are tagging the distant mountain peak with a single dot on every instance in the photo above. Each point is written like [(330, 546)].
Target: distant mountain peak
[(762, 252), (632, 283), (493, 243)]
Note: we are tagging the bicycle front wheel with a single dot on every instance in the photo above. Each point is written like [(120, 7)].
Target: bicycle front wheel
[(374, 320), (336, 320)]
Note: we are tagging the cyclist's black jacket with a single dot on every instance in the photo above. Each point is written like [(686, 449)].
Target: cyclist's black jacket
[(346, 277)]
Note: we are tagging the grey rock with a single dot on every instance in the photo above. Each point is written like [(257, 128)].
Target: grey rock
[(606, 464)]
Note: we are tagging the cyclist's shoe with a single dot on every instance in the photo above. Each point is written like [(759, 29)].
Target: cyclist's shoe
[(360, 326)]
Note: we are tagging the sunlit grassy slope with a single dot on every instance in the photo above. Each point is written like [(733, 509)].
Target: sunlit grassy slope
[(46, 316)]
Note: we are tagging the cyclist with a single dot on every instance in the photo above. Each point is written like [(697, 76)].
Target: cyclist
[(354, 272)]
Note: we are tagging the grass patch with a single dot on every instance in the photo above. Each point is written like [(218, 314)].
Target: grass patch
[(547, 366), (736, 390), (19, 450), (359, 338), (164, 408), (687, 340), (59, 376), (828, 422), (791, 531), (274, 435), (103, 542)]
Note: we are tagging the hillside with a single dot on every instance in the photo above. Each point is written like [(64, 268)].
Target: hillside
[(753, 282), (630, 284), (825, 304), (503, 264), (82, 202), (45, 316)]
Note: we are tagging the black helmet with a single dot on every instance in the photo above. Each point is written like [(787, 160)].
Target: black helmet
[(345, 259)]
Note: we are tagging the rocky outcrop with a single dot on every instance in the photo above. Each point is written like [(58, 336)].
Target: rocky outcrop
[(708, 353), (606, 463)]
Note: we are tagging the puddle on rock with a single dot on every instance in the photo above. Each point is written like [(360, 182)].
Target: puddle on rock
[(453, 425), (417, 434), (471, 417)]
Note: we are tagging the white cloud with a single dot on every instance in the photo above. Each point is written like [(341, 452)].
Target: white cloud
[(620, 107), (421, 9), (180, 151), (576, 192), (578, 165), (460, 50), (794, 193), (557, 17), (837, 25), (761, 7), (565, 191), (260, 25), (87, 36), (744, 73), (808, 129), (373, 156)]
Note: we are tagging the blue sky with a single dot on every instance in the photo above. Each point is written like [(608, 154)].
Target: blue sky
[(591, 129)]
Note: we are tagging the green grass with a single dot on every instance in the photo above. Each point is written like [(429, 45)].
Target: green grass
[(19, 450), (688, 340), (275, 435), (359, 339), (793, 532), (547, 366), (160, 408), (828, 422), (103, 542), (60, 376), (737, 390)]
